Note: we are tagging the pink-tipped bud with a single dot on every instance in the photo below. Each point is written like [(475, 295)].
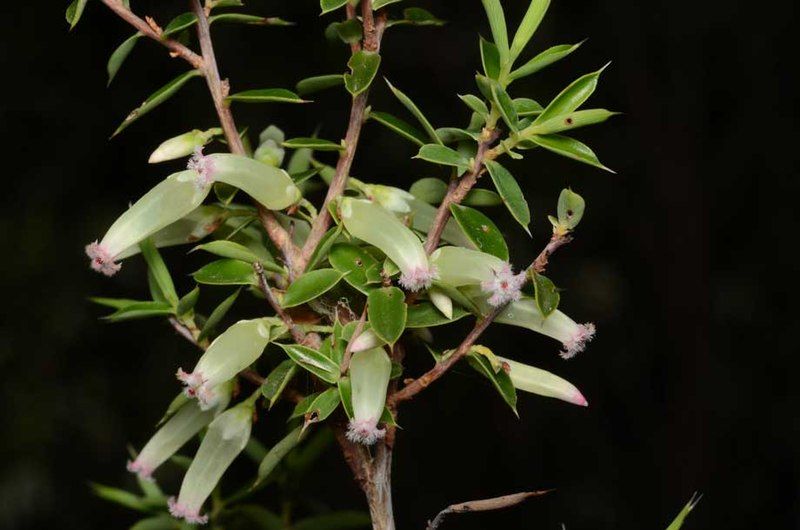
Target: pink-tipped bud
[(504, 286), (141, 469), (418, 278), (204, 165), (366, 341), (101, 259), (180, 511), (577, 342), (364, 432)]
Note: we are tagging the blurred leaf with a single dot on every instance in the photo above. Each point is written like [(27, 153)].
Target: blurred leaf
[(421, 17), (316, 144), (277, 453), (320, 82), (121, 497), (251, 20), (249, 517), (425, 315), (543, 60), (159, 270), (482, 198), (336, 520), (499, 379), (119, 55), (331, 5), (359, 267), (177, 402), (231, 250), (506, 106), (387, 312), (350, 31), (412, 107), (364, 67), (439, 154), (74, 12), (187, 303), (266, 95), (226, 272), (322, 406), (217, 315), (547, 295), (141, 310), (490, 58), (180, 23), (527, 107), (158, 522), (497, 22), (533, 17), (681, 518), (310, 286), (313, 361), (115, 303), (157, 98), (476, 104), (430, 190), (512, 195), (324, 246), (571, 97), (277, 380), (570, 148), (401, 127), (571, 207), (377, 4), (480, 230)]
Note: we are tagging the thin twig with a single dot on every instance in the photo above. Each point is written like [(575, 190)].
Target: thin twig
[(297, 333), (485, 505)]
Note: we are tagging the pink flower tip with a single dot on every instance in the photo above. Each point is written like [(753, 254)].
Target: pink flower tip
[(204, 166), (577, 343), (144, 472), (101, 259), (180, 511), (505, 286), (418, 278), (364, 432), (578, 399)]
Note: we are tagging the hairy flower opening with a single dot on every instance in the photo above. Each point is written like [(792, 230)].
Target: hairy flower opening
[(577, 342), (505, 286), (101, 259), (180, 511), (364, 432), (141, 469), (204, 165), (418, 278)]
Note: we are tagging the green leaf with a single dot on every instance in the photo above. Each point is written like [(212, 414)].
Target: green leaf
[(527, 107), (482, 198), (511, 193), (572, 120), (74, 12), (331, 5), (313, 361), (444, 156), (497, 22), (157, 98), (419, 17), (121, 497), (310, 85), (364, 67), (571, 97), (251, 20), (159, 271), (141, 310), (681, 518), (217, 315), (158, 522), (320, 407), (451, 135), (570, 148), (229, 249), (413, 109), (490, 57), (401, 127), (226, 272), (547, 295), (387, 313), (425, 315), (316, 144), (350, 31), (499, 379), (346, 395), (359, 266), (480, 230), (310, 286), (324, 246), (180, 23), (543, 60), (115, 303), (277, 380), (506, 106), (245, 517), (377, 4), (120, 54), (533, 17), (267, 95), (346, 520), (277, 453), (571, 207), (430, 190), (476, 104), (187, 303)]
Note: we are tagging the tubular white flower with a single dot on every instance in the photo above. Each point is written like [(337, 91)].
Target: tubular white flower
[(370, 371), (179, 429), (182, 145), (377, 226), (543, 383), (230, 353), (226, 438), (459, 267), (505, 286), (441, 301), (169, 201), (524, 313), (270, 186), (366, 341), (391, 198)]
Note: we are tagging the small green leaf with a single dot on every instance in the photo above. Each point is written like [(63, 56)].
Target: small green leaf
[(157, 98), (482, 198), (229, 249), (570, 148), (331, 5), (159, 271), (324, 246), (451, 135), (313, 361), (277, 453), (120, 54), (480, 230), (506, 106), (141, 310), (180, 23), (571, 207), (346, 395), (476, 104), (251, 20), (359, 267), (121, 497), (345, 520), (490, 57), (267, 95), (115, 303), (527, 107), (320, 407), (377, 4), (430, 190), (401, 127), (425, 315), (511, 193), (444, 156), (315, 144), (310, 85), (74, 12), (364, 67), (350, 31), (277, 380), (217, 315), (572, 120), (226, 272), (497, 22), (187, 303), (311, 286), (543, 60), (677, 524), (420, 17), (387, 313), (499, 379), (533, 17), (413, 109), (571, 97), (158, 522), (547, 295)]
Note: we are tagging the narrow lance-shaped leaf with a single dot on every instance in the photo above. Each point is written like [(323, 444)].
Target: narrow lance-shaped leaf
[(570, 148), (414, 109), (543, 60), (530, 23), (511, 193), (74, 12), (444, 156), (226, 272), (572, 120), (278, 453), (313, 361), (315, 144), (277, 380), (157, 98), (320, 82), (158, 269), (571, 97), (364, 67), (217, 315), (497, 22), (401, 127), (266, 95), (506, 106), (140, 310), (677, 524), (490, 58), (310, 286), (499, 379), (120, 54)]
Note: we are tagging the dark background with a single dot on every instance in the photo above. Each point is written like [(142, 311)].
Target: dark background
[(684, 261)]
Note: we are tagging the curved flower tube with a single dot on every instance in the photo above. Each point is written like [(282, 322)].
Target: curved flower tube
[(537, 381), (377, 226), (270, 186), (230, 353), (370, 371), (226, 438), (182, 145), (458, 267), (393, 199), (366, 341)]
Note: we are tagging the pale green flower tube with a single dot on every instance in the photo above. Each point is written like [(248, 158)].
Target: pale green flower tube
[(365, 341), (179, 429), (230, 353), (270, 186), (227, 436), (459, 267), (370, 371), (441, 301), (182, 145), (377, 226), (391, 198), (543, 383)]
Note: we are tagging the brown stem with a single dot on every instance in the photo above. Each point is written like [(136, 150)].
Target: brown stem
[(297, 334), (485, 505), (378, 489)]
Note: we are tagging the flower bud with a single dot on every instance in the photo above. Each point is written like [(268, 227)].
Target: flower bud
[(370, 371), (182, 145), (366, 341), (227, 436), (543, 383), (441, 301), (393, 199), (270, 186), (461, 266), (377, 226), (179, 429), (230, 353)]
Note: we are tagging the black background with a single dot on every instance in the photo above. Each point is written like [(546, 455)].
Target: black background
[(684, 261)]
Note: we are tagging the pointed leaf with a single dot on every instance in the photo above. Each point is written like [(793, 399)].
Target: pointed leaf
[(572, 120), (547, 295), (187, 303), (490, 57), (311, 286), (413, 109), (543, 60), (571, 97), (313, 361), (159, 271), (401, 127), (677, 524), (377, 4), (277, 453), (331, 5), (226, 272), (387, 313), (119, 56), (217, 315), (180, 23), (476, 104), (141, 310), (360, 267), (364, 67), (497, 22), (74, 12), (527, 107), (425, 315), (277, 380), (481, 230), (439, 154), (267, 95), (570, 148), (237, 251), (506, 106), (533, 17), (320, 82), (511, 193), (315, 144), (499, 378)]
